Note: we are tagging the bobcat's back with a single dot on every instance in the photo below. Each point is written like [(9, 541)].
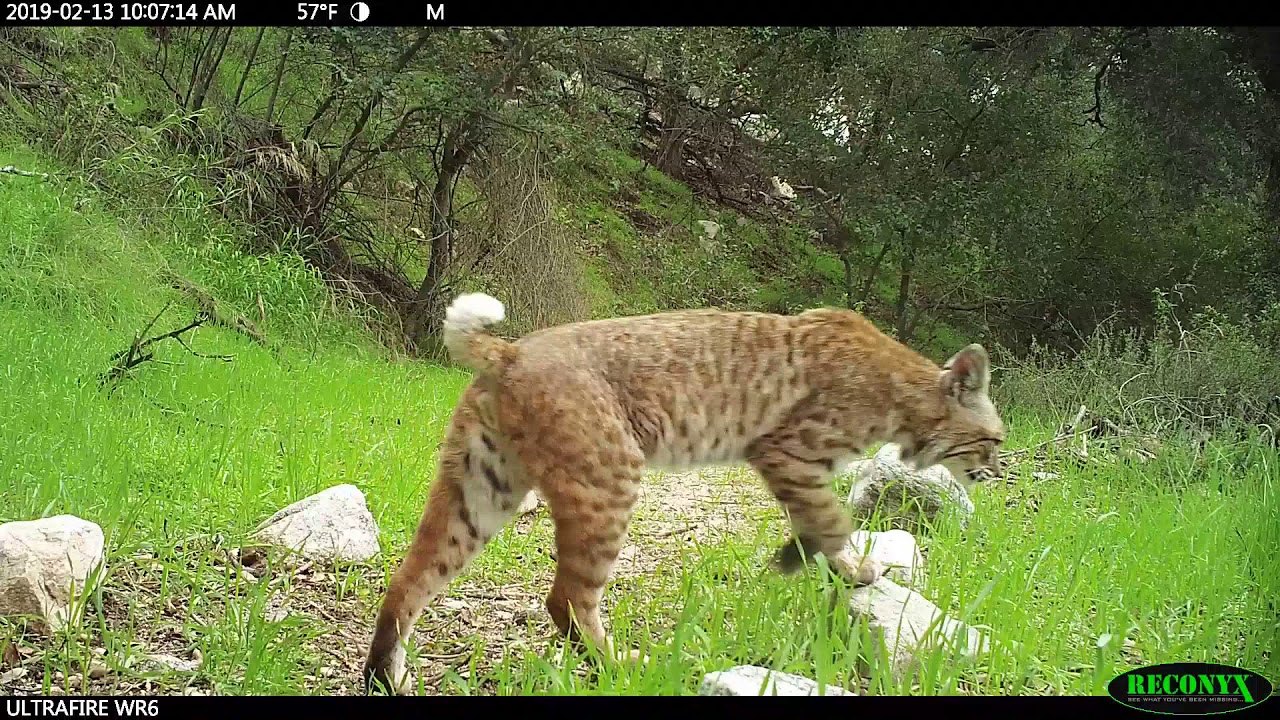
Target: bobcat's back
[(697, 387)]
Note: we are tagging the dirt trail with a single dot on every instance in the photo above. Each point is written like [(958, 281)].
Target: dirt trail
[(494, 610), (673, 509)]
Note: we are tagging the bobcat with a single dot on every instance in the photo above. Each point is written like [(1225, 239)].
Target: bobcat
[(579, 411)]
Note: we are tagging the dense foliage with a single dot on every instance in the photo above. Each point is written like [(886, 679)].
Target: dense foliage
[(1020, 185)]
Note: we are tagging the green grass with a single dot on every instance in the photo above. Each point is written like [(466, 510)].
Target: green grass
[(185, 458)]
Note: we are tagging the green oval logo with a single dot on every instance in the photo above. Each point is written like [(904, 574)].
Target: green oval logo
[(1189, 688)]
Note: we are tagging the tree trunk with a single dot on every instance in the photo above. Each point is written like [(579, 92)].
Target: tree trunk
[(426, 314), (275, 85), (248, 66), (848, 278), (363, 121), (197, 63), (869, 280), (904, 287), (206, 79), (335, 83), (672, 136)]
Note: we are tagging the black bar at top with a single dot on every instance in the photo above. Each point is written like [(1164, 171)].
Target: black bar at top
[(410, 13)]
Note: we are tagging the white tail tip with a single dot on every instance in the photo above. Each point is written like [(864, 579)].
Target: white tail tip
[(473, 311)]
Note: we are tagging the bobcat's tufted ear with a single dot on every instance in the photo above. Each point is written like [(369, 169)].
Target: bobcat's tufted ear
[(967, 371)]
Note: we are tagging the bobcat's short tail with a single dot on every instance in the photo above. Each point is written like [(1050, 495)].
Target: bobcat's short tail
[(466, 337)]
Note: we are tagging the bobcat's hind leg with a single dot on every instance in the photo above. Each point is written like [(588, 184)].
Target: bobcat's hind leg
[(475, 493), (588, 468)]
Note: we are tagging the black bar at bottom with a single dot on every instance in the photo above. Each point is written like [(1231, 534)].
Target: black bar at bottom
[(1041, 708)]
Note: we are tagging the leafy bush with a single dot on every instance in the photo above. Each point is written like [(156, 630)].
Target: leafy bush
[(1206, 371)]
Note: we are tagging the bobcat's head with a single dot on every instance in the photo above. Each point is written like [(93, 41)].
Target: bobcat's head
[(967, 438)]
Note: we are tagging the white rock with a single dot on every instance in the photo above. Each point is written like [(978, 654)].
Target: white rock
[(165, 662), (529, 504), (573, 84), (895, 550), (331, 525), (45, 564), (710, 228), (911, 627), (752, 681), (780, 189), (884, 484)]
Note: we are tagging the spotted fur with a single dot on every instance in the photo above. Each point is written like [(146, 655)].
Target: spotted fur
[(579, 411)]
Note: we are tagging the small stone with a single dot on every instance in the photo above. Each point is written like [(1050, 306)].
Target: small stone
[(528, 614), (10, 657), (331, 525), (780, 189), (753, 681), (97, 670), (250, 557), (1044, 475), (884, 485), (529, 504), (164, 661), (193, 692), (45, 564), (905, 621), (710, 228), (895, 550)]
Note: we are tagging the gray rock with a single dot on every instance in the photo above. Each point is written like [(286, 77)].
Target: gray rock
[(884, 484), (45, 565), (911, 627), (895, 550), (753, 681), (331, 525)]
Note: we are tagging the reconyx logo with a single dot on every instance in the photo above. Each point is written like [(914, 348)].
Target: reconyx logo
[(1189, 689)]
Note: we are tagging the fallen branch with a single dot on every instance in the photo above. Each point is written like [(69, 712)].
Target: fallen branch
[(209, 307), (11, 170), (136, 353), (1072, 429)]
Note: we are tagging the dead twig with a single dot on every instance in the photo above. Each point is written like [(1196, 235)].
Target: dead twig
[(1073, 428), (11, 170), (209, 307), (137, 353)]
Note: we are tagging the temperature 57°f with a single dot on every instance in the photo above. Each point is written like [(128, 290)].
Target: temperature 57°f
[(317, 11)]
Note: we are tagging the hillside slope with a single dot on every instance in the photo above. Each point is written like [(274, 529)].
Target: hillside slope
[(1095, 572)]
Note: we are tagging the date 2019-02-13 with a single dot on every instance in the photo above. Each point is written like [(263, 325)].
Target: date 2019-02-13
[(118, 12)]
